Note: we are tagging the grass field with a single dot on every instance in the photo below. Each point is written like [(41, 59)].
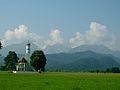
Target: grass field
[(59, 81)]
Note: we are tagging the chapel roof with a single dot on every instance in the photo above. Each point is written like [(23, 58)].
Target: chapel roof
[(22, 60)]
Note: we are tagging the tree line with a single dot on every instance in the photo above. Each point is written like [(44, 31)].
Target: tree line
[(108, 70)]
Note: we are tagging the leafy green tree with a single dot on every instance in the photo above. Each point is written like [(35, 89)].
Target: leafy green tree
[(10, 61), (38, 60)]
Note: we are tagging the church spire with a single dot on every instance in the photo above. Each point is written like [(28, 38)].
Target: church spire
[(28, 47)]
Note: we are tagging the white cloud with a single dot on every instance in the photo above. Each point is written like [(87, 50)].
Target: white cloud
[(18, 35), (98, 34), (21, 34), (9, 35), (55, 37)]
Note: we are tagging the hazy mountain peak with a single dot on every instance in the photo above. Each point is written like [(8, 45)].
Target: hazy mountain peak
[(94, 48)]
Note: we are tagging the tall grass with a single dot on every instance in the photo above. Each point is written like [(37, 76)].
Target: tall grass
[(59, 81)]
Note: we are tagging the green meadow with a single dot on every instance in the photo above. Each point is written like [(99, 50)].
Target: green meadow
[(59, 81)]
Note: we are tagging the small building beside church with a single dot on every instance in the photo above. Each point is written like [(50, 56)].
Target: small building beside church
[(22, 64)]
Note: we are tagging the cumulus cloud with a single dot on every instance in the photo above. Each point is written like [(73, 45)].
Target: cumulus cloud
[(21, 34), (9, 35), (98, 34), (55, 37), (18, 35)]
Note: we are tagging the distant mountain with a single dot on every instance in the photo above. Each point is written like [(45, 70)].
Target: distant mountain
[(82, 58), (94, 48), (80, 61), (60, 57), (58, 48), (117, 54), (20, 49)]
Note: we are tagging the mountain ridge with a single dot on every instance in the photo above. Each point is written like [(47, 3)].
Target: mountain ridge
[(82, 58), (84, 61)]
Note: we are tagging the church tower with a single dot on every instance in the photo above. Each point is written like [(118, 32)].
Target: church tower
[(24, 62), (27, 52), (28, 48)]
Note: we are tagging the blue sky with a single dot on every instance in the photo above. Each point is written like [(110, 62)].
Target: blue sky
[(67, 16)]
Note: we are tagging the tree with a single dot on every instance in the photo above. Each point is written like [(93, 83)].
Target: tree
[(38, 60), (115, 70), (10, 61), (0, 45)]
